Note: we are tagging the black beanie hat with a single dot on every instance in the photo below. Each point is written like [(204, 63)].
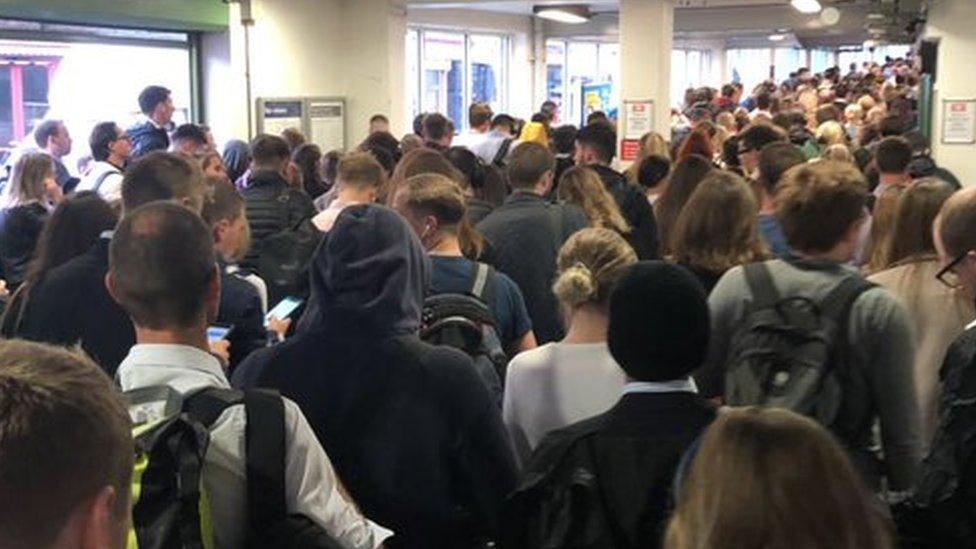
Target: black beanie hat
[(659, 323)]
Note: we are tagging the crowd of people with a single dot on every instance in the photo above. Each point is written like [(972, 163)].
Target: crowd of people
[(759, 334)]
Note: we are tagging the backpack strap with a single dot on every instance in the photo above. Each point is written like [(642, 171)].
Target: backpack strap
[(499, 159), (101, 179), (208, 404), (761, 285), (479, 280), (265, 449), (837, 304)]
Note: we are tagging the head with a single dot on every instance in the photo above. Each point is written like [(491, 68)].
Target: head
[(955, 240), (293, 138), (775, 159), (821, 208), (653, 171), (237, 158), (752, 140), (188, 139), (308, 159), (330, 167), (156, 102), (597, 117), (66, 451), (698, 143), (436, 130), (827, 113), (726, 120), (718, 228), (503, 124), (434, 207), (360, 176), (764, 101), (582, 186), (564, 139), (756, 470), (379, 123), (163, 271), (417, 162), (588, 267), (596, 144), (479, 117), (110, 143), (212, 165), (530, 168), (685, 178), (659, 323), (269, 153), (52, 136), (32, 179), (831, 133), (911, 232), (225, 215), (418, 124), (163, 176), (654, 143), (893, 156), (854, 114), (838, 152)]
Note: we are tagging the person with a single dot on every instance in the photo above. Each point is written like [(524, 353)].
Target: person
[(71, 304), (698, 143), (359, 180), (685, 178), (53, 138), (479, 121), (379, 123), (718, 229), (821, 209), (434, 206), (237, 160), (582, 187), (564, 147), (188, 139), (420, 161), (212, 164), (596, 145), (152, 134), (566, 381), (66, 451), (658, 333), (764, 103), (111, 149), (308, 158), (419, 441), (497, 145), (879, 235), (436, 134), (272, 205), (72, 229), (294, 138), (892, 158), (33, 192), (483, 185), (751, 141), (162, 271), (527, 226), (652, 175), (782, 465), (775, 159), (650, 143), (534, 132)]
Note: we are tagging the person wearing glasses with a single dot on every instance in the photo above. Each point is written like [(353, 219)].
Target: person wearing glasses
[(111, 149), (751, 141)]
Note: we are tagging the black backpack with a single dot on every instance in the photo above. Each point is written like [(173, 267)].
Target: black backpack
[(465, 322), (791, 352), (284, 259)]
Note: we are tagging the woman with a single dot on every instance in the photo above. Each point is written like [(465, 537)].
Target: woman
[(308, 158), (650, 144), (685, 178), (483, 185), (73, 228), (718, 229), (698, 142), (769, 478), (582, 187), (33, 192), (938, 313), (417, 162), (652, 176), (882, 221), (576, 378)]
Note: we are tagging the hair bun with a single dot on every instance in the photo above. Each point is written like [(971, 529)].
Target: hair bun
[(575, 285)]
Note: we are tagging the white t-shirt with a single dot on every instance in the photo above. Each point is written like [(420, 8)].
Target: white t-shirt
[(111, 186), (554, 386)]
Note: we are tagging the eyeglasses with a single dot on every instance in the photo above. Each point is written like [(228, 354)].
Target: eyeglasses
[(948, 276), (123, 137), (745, 151)]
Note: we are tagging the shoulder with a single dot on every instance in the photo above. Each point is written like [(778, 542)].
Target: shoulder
[(533, 360)]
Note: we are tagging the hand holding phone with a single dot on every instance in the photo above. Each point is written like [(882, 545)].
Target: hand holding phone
[(283, 310)]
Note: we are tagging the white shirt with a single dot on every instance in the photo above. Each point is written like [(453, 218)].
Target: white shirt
[(470, 139), (554, 386), (111, 187), (311, 485)]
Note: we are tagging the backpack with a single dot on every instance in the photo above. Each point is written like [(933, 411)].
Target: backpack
[(170, 506), (791, 352), (284, 259), (465, 322)]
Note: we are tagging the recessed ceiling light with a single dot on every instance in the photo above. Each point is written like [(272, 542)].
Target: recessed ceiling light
[(777, 37), (572, 15), (807, 6)]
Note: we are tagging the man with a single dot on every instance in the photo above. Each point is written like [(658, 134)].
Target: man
[(438, 132), (821, 209), (751, 141), (775, 159), (360, 177), (379, 124), (272, 204), (596, 145), (163, 271), (71, 305), (892, 157), (53, 138), (189, 140), (497, 144), (725, 101), (479, 119), (152, 134), (526, 233), (410, 427), (111, 149), (65, 451), (658, 334), (764, 102)]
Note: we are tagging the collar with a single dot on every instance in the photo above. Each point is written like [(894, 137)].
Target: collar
[(655, 387), (107, 235), (182, 367), (524, 195)]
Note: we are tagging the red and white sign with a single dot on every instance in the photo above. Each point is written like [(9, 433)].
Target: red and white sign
[(629, 150), (959, 121)]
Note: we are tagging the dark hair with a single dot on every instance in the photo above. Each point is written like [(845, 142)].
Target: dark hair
[(470, 165), (817, 203), (891, 125), (758, 136), (237, 158), (189, 132), (269, 150), (479, 114), (163, 176), (728, 90), (685, 178), (379, 118), (893, 155), (330, 166), (596, 117), (102, 137), (307, 159), (564, 138), (361, 170), (161, 263), (385, 141), (653, 170), (503, 120), (150, 97), (46, 130), (435, 127), (293, 138), (775, 159), (763, 101), (418, 124), (601, 138), (528, 163)]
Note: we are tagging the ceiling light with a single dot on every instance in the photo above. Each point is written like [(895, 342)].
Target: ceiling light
[(777, 37), (807, 6), (572, 15)]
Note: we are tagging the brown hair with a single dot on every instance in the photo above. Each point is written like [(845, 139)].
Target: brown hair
[(293, 138), (27, 180), (817, 203), (718, 229), (528, 164), (417, 162), (436, 195), (957, 222), (589, 265), (360, 170), (685, 178), (911, 235), (882, 222), (163, 176), (773, 478), (582, 187), (226, 204), (65, 435)]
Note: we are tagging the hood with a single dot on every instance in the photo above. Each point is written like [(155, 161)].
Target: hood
[(370, 274), (237, 158)]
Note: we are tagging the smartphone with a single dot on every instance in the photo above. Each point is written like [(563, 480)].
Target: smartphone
[(217, 332), (284, 309)]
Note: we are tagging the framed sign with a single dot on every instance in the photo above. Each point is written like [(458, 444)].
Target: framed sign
[(322, 120), (638, 117), (959, 121)]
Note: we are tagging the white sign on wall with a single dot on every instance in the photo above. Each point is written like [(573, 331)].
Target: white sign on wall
[(959, 121), (638, 117)]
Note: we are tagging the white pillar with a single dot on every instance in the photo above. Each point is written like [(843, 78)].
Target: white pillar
[(646, 38)]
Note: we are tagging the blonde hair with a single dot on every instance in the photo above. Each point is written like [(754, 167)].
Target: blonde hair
[(831, 133), (650, 143), (438, 196), (583, 187), (589, 264), (838, 152), (27, 181)]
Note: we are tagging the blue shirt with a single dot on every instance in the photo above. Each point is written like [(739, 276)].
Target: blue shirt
[(772, 233), (452, 275)]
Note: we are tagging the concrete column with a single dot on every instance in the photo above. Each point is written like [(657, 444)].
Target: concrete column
[(951, 21), (646, 38)]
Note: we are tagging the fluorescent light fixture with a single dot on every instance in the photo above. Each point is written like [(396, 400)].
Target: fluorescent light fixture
[(571, 15), (777, 37), (807, 6)]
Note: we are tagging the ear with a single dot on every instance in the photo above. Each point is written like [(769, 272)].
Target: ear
[(432, 222), (110, 286), (100, 525), (219, 229)]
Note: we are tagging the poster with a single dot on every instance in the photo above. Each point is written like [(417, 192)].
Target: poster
[(597, 97), (327, 124), (629, 150), (959, 121), (639, 118), (279, 115)]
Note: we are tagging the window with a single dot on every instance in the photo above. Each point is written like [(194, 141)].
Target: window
[(749, 66), (689, 69), (447, 71), (572, 65), (787, 60), (821, 60)]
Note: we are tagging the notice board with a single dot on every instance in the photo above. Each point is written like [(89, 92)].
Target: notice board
[(322, 120)]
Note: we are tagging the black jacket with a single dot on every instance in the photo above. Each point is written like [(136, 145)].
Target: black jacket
[(146, 138), (20, 228), (619, 468), (636, 210), (240, 306), (410, 428), (71, 304), (526, 233), (272, 206)]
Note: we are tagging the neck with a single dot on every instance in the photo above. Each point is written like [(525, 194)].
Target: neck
[(116, 160), (352, 194), (446, 246), (840, 254), (891, 179), (156, 120), (191, 337), (767, 207), (587, 324), (50, 151)]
